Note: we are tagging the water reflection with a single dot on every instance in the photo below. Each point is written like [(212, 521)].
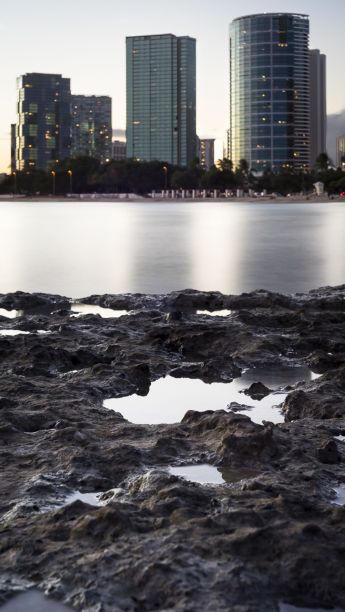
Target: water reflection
[(287, 608), (80, 310), (214, 313), (33, 601), (276, 377), (80, 248), (12, 332), (340, 496), (88, 498), (170, 398), (10, 314), (208, 474)]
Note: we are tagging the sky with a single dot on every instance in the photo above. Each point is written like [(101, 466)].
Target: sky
[(85, 40)]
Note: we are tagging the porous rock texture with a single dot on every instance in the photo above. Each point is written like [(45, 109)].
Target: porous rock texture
[(159, 542)]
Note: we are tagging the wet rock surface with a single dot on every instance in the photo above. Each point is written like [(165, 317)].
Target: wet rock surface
[(157, 541)]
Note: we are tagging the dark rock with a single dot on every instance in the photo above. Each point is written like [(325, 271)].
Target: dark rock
[(157, 541), (328, 452), (257, 391)]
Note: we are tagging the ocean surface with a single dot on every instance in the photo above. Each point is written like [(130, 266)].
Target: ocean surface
[(80, 248)]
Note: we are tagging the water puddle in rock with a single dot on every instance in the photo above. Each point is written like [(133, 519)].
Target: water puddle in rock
[(33, 601), (170, 398), (18, 332), (10, 314), (340, 496), (12, 332), (287, 608), (208, 474), (80, 310), (93, 499), (340, 438), (214, 313), (278, 377)]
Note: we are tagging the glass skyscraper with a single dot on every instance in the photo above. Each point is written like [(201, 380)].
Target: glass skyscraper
[(92, 127), (270, 91), (44, 121), (161, 98)]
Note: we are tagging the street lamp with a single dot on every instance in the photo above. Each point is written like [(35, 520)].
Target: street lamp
[(53, 173), (70, 174), (14, 174), (165, 170)]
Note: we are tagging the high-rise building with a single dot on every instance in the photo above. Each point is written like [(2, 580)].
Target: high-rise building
[(318, 105), (269, 91), (91, 127), (44, 120), (206, 152), (161, 98), (13, 146), (119, 150), (341, 152)]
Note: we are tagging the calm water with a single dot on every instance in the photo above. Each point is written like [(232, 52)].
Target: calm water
[(170, 398), (79, 248)]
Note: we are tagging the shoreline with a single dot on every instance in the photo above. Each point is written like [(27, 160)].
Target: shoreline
[(137, 199)]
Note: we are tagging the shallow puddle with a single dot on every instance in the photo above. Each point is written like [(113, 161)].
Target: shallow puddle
[(340, 438), (208, 474), (12, 332), (340, 496), (80, 310), (10, 314), (278, 377), (87, 498), (170, 398), (214, 313), (287, 608), (33, 601)]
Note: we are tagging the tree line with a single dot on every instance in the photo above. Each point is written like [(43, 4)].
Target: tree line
[(88, 175)]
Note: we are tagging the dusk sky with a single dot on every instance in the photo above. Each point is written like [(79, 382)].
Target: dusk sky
[(85, 40)]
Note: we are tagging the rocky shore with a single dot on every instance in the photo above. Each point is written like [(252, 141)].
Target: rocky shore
[(157, 541)]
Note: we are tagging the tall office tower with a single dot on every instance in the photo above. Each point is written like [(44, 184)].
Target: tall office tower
[(206, 152), (161, 98), (13, 146), (44, 120), (269, 91), (91, 127), (341, 152), (119, 150), (318, 104)]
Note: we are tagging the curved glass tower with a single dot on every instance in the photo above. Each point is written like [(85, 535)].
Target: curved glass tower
[(269, 91)]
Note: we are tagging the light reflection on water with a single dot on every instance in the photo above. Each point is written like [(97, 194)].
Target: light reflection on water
[(80, 248), (10, 314), (78, 309), (170, 398), (33, 601), (208, 474)]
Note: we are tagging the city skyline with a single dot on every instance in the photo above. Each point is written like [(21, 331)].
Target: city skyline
[(93, 55)]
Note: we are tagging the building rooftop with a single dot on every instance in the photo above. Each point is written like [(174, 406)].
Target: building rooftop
[(301, 15)]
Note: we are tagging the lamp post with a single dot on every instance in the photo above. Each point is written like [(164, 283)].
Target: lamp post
[(165, 170), (14, 174), (53, 173), (70, 174)]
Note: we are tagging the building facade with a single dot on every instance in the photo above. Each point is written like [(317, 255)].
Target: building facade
[(119, 150), (44, 121), (91, 127), (270, 92), (13, 146), (341, 152), (318, 104), (161, 98), (206, 152)]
